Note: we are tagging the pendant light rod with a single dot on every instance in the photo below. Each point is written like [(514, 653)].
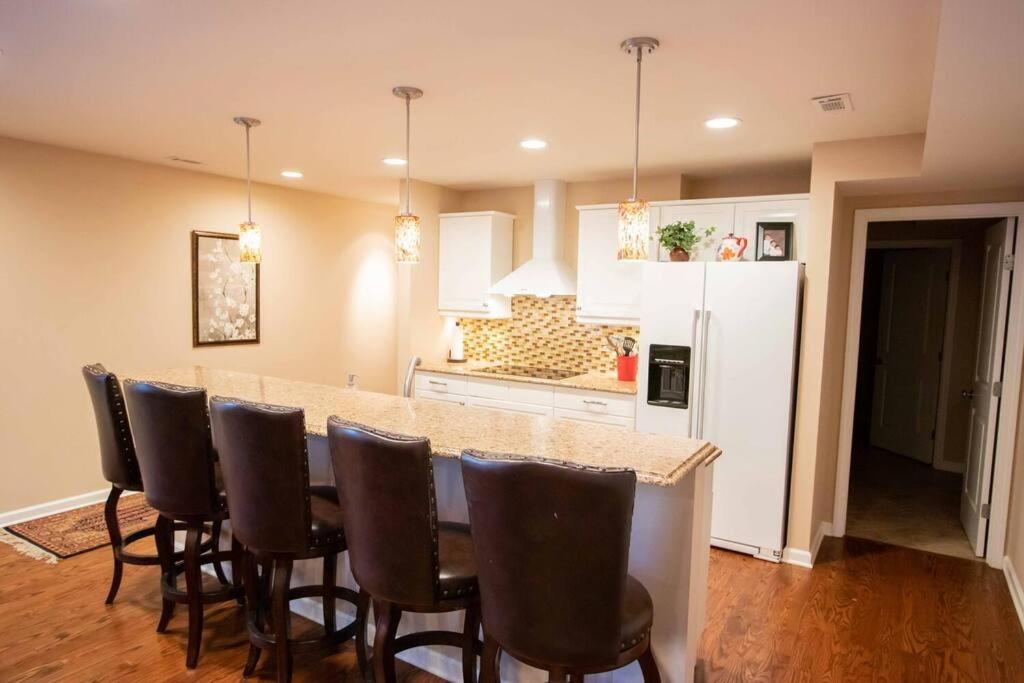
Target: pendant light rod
[(408, 93), (249, 124), (639, 45)]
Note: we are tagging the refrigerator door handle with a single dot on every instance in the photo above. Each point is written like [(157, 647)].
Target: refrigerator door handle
[(693, 340), (703, 371)]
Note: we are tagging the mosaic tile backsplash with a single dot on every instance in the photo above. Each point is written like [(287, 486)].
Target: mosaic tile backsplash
[(542, 333)]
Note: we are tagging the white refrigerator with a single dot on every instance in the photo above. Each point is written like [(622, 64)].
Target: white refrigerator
[(718, 362)]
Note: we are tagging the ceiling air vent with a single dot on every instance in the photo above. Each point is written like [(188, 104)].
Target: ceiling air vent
[(183, 160), (833, 103)]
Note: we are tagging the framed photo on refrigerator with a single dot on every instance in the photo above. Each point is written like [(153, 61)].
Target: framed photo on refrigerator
[(774, 242)]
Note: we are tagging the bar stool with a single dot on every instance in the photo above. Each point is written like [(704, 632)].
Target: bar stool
[(176, 457), (552, 544), (400, 554), (120, 467), (280, 518)]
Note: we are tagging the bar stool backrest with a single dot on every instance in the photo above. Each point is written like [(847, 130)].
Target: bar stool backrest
[(263, 456), (386, 487), (175, 451), (552, 551), (117, 449)]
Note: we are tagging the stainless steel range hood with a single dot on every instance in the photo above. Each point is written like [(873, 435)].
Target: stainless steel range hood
[(545, 274)]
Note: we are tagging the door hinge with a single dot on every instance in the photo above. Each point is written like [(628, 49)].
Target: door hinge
[(997, 389), (984, 510), (1008, 262)]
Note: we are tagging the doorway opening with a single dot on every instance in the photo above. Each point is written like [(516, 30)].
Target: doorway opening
[(933, 322)]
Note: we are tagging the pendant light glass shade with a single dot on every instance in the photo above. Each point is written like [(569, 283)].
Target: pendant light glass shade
[(249, 236), (407, 226), (634, 216), (249, 243), (407, 238), (634, 230)]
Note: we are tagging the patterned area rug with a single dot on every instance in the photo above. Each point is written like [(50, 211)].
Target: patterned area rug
[(77, 531)]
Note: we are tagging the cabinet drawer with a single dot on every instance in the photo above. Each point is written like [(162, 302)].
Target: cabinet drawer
[(596, 402), (517, 392), (426, 395), (443, 384), (510, 406), (582, 416)]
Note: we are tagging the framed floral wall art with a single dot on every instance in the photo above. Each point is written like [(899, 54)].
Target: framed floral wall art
[(225, 292)]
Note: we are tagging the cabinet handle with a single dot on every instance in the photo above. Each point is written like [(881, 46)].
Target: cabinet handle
[(486, 305), (594, 403), (440, 384)]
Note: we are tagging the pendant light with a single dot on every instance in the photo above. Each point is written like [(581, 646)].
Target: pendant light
[(249, 237), (407, 226), (634, 217)]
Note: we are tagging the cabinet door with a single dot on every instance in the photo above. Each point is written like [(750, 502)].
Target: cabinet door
[(607, 290), (464, 263), (795, 211), (719, 216)]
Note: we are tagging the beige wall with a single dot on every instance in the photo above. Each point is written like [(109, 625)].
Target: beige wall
[(827, 275), (784, 179), (95, 256), (819, 401), (419, 330)]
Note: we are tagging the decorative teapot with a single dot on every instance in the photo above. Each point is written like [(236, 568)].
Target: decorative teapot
[(731, 248)]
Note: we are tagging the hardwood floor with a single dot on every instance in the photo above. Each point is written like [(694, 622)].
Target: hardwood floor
[(867, 612)]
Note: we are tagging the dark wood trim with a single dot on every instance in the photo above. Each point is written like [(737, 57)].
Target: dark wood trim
[(196, 234)]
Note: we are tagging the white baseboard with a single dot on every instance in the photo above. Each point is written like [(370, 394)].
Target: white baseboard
[(806, 558), (1016, 591), (53, 507)]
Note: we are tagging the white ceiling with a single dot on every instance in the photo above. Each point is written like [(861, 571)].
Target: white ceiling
[(147, 80)]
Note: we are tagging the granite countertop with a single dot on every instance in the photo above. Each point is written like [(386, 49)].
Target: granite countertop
[(657, 459), (591, 381)]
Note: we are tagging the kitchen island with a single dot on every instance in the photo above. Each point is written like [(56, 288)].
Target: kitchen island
[(671, 521)]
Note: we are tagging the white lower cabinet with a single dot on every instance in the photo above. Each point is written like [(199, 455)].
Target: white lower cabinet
[(525, 397)]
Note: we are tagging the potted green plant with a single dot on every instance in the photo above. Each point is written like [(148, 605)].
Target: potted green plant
[(681, 239)]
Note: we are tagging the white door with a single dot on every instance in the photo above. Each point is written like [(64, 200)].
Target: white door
[(751, 313), (669, 314), (984, 395), (911, 327), (607, 289), (719, 216)]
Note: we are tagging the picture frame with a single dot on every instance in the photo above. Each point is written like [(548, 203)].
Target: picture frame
[(225, 292), (774, 242)]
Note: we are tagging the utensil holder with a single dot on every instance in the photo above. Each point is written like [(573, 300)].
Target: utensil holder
[(626, 366)]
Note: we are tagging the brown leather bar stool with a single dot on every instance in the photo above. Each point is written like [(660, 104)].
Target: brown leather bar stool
[(280, 518), (552, 544), (400, 554), (120, 467), (177, 460)]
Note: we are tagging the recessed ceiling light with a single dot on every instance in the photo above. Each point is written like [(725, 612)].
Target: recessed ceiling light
[(532, 143), (394, 161), (722, 122), (292, 174)]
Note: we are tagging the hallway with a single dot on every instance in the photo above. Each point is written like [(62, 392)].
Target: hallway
[(900, 501)]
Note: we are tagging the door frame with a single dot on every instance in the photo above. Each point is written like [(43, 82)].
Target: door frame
[(949, 328), (1006, 436)]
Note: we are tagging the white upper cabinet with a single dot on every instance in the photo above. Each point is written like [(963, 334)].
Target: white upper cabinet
[(607, 289), (475, 252), (704, 216), (795, 211)]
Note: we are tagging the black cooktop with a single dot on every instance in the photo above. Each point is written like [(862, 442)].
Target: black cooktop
[(526, 371)]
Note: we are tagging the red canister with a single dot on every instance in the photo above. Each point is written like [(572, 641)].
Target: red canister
[(627, 368)]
